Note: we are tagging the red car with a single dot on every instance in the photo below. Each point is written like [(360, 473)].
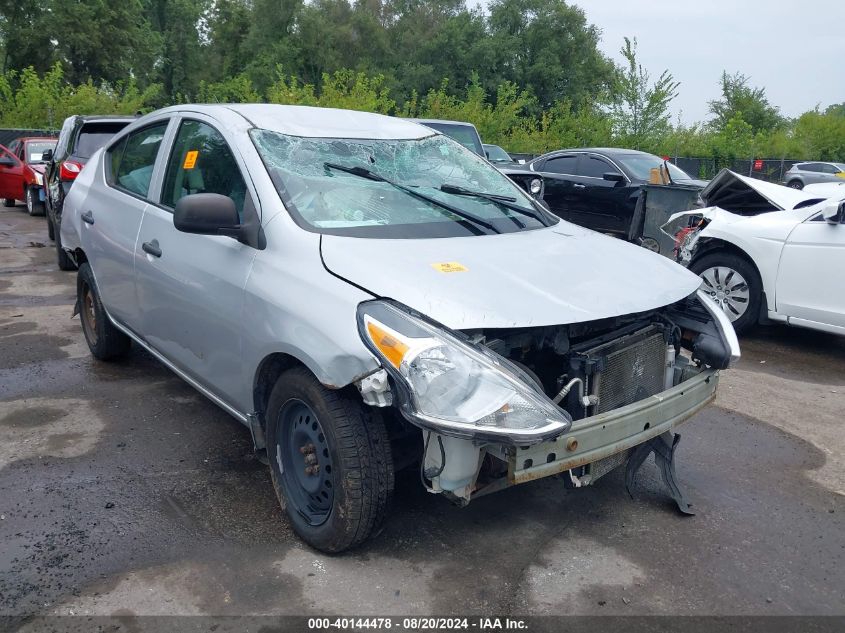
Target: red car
[(22, 172)]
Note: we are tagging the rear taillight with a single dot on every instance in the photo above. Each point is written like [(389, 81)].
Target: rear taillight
[(69, 170)]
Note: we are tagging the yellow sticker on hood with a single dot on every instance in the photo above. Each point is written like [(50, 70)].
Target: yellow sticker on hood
[(450, 267)]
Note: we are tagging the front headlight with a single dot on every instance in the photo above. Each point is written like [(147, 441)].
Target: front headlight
[(454, 387), (39, 179)]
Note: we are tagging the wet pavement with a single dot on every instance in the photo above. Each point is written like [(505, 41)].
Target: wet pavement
[(124, 491)]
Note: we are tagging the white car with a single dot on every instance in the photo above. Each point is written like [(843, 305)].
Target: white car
[(767, 252)]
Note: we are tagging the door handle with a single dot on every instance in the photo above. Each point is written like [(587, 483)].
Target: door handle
[(152, 248), (88, 217), (578, 185)]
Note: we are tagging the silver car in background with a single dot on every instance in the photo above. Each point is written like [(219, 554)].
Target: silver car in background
[(802, 174), (367, 295)]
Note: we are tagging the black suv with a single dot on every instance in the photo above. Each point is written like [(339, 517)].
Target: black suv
[(80, 137)]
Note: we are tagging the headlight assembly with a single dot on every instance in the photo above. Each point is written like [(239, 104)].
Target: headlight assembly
[(454, 387), (39, 179)]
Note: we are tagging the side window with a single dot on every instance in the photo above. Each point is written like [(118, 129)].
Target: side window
[(201, 162), (816, 167), (594, 167), (561, 165), (829, 169), (132, 160)]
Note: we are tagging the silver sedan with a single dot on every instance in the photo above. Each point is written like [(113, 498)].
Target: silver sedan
[(367, 295)]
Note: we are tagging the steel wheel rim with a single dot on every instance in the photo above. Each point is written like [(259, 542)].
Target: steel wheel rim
[(305, 462), (89, 316), (728, 288)]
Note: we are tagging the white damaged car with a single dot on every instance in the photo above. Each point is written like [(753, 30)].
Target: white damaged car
[(768, 253), (366, 295)]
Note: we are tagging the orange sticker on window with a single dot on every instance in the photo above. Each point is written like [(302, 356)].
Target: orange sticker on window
[(190, 159)]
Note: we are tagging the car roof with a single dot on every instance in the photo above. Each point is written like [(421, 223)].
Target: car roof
[(609, 151), (106, 118), (310, 121)]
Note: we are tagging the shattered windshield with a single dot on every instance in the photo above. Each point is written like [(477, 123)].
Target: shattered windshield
[(416, 198)]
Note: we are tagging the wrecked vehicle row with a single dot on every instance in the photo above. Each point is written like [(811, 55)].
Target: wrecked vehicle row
[(366, 295), (768, 253)]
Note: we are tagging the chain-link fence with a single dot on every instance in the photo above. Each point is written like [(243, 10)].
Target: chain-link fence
[(770, 169)]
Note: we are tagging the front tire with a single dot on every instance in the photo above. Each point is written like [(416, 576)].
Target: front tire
[(104, 340), (330, 462), (734, 284), (34, 206)]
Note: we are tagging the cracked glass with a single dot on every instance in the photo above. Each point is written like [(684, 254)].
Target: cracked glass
[(329, 200)]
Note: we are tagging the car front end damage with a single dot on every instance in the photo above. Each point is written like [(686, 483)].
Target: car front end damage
[(502, 407)]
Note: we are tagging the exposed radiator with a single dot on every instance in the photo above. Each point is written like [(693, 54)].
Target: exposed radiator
[(632, 368)]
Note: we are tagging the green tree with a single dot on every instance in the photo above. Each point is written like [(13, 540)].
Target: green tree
[(179, 64), (25, 35), (228, 25), (640, 109), (102, 40), (550, 49), (739, 97)]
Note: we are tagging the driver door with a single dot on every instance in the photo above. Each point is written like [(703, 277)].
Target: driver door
[(810, 283), (191, 287)]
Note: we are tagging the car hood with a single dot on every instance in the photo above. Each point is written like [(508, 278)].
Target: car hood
[(557, 275), (39, 167), (748, 196)]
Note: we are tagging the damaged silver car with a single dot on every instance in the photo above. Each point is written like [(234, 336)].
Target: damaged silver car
[(366, 295)]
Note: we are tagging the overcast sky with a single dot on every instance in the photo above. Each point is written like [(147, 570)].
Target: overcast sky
[(794, 49)]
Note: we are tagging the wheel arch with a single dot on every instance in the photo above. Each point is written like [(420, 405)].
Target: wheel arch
[(269, 370)]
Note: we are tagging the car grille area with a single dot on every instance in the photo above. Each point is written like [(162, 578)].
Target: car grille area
[(629, 369)]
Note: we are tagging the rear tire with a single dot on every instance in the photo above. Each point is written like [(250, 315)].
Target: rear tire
[(34, 206), (795, 184), (734, 284), (9, 202), (345, 500), (104, 340), (62, 258)]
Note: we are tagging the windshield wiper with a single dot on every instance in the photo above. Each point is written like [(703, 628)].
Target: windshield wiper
[(363, 172), (505, 201)]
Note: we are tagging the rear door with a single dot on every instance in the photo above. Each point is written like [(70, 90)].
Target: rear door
[(811, 283), (111, 216), (191, 287), (603, 205), (560, 177)]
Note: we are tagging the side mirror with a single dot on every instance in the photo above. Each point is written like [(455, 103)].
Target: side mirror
[(834, 213), (47, 156), (7, 161), (613, 176), (486, 154), (207, 214)]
